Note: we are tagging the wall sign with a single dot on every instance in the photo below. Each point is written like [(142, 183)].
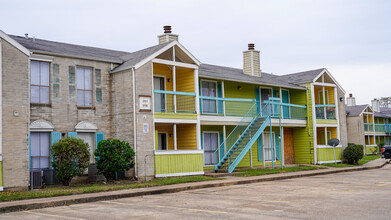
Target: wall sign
[(145, 103), (146, 128)]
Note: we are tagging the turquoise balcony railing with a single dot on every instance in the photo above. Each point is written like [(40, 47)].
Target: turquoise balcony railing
[(325, 112), (368, 127), (174, 102)]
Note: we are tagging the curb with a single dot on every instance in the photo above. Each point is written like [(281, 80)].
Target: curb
[(35, 204)]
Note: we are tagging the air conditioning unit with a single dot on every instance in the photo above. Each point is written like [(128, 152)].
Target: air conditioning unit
[(49, 177), (36, 179)]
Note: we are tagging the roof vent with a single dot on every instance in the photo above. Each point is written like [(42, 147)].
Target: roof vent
[(167, 36), (251, 61)]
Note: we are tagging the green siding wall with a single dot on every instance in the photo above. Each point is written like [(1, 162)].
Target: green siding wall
[(246, 91), (303, 139), (178, 163), (327, 154)]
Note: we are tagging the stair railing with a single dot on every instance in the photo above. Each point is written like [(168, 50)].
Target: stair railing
[(235, 134)]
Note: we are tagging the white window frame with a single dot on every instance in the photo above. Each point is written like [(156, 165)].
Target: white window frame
[(326, 97), (165, 89), (92, 86), (203, 143), (49, 79), (263, 146), (31, 157), (217, 106)]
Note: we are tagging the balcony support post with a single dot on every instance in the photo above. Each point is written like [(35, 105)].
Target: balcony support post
[(174, 86), (175, 138)]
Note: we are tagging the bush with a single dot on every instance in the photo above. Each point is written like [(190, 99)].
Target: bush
[(113, 155), (70, 158), (353, 153)]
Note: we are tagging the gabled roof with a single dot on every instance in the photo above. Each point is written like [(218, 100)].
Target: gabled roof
[(234, 74), (14, 43), (302, 77), (355, 110), (132, 59), (57, 48)]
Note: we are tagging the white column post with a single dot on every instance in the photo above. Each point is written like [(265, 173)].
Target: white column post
[(198, 135), (175, 138), (222, 91), (174, 86), (324, 103), (197, 99), (225, 136)]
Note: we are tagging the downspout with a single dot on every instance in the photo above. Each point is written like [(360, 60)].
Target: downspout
[(134, 123), (1, 116)]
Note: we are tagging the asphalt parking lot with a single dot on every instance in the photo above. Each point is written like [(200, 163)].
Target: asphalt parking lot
[(353, 195)]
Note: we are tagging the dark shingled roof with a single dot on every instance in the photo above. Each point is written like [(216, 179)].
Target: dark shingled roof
[(46, 46), (135, 57), (384, 113), (234, 74), (302, 77), (355, 110)]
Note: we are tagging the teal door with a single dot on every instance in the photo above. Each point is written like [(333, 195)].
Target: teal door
[(285, 99)]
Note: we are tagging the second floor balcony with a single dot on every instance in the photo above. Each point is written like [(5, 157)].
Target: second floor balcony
[(370, 127)]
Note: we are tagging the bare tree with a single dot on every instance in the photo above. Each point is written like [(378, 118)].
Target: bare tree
[(385, 102)]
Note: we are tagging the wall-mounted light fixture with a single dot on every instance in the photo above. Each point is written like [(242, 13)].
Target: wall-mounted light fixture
[(168, 79), (170, 135), (340, 99), (239, 88)]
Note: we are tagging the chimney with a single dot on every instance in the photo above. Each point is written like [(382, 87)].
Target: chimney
[(26, 36), (251, 62), (350, 101), (375, 105), (167, 36)]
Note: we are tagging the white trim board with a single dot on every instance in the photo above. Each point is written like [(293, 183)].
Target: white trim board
[(332, 78), (327, 146), (180, 174), (14, 43), (175, 121), (177, 152)]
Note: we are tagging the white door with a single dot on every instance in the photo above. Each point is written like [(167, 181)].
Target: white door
[(211, 141), (267, 146), (89, 138)]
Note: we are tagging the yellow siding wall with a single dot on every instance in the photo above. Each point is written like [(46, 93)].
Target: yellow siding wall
[(331, 95), (169, 130), (330, 91), (163, 70), (185, 80), (186, 135), (178, 163)]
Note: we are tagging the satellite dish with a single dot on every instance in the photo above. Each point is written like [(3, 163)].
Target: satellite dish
[(333, 142)]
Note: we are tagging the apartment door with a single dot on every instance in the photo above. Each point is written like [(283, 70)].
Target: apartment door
[(162, 141), (285, 99), (159, 99), (265, 95), (267, 146), (209, 90), (89, 138), (210, 146)]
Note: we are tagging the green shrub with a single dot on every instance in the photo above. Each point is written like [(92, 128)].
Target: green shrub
[(353, 153), (113, 155), (70, 158)]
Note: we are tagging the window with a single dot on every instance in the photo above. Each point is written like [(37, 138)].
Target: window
[(209, 90), (84, 86), (162, 141), (267, 146), (40, 143), (39, 82)]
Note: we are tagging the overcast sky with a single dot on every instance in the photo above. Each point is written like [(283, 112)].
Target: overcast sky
[(351, 38)]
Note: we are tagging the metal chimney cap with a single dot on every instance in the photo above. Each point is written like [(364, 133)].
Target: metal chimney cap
[(26, 35), (251, 46), (167, 29)]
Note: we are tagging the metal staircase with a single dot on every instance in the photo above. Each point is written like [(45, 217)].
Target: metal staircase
[(244, 135)]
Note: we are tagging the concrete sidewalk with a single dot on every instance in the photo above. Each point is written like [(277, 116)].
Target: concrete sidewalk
[(231, 180)]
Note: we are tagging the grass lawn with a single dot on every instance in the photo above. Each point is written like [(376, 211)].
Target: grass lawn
[(258, 172), (90, 188), (364, 160)]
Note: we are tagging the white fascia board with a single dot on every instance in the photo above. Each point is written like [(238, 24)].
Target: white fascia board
[(175, 121), (180, 174), (39, 57), (14, 43), (177, 152), (174, 63), (326, 125), (328, 73), (331, 161), (168, 46)]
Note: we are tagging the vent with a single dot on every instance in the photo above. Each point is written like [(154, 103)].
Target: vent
[(36, 180)]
